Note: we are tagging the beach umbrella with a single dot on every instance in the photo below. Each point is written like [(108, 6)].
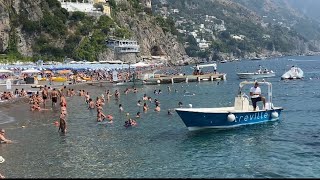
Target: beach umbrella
[(5, 71), (65, 71), (48, 72), (140, 64), (31, 71)]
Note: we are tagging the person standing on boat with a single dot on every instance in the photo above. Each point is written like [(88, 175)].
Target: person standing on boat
[(260, 69), (215, 68), (255, 93), (197, 69)]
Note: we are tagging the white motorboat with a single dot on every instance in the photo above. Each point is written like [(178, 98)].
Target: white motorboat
[(241, 113), (258, 74), (293, 73)]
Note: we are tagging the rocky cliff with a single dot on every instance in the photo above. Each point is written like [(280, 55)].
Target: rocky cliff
[(4, 26), (152, 39), (37, 36)]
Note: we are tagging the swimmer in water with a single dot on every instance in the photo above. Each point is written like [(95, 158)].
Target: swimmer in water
[(100, 116), (91, 104), (138, 115), (157, 109), (120, 107), (145, 107)]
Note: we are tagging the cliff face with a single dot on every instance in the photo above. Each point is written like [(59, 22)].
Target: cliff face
[(4, 27), (151, 38), (11, 35)]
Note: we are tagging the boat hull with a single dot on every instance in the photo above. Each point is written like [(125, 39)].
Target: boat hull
[(254, 75), (220, 120)]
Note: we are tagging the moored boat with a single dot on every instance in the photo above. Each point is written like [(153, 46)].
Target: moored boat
[(293, 73), (241, 113), (258, 74)]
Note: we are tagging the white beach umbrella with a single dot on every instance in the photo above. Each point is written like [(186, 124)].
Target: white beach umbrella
[(5, 71), (31, 71), (140, 64)]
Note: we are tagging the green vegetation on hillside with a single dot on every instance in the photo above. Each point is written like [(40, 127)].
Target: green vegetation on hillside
[(60, 34), (237, 20)]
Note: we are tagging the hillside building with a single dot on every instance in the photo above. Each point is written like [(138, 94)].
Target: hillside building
[(86, 6), (123, 46), (203, 45)]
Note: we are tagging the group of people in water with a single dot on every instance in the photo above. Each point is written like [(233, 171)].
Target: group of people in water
[(7, 95), (105, 97), (45, 93), (39, 102)]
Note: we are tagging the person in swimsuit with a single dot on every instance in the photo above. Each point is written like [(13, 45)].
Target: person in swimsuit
[(63, 123), (2, 138), (91, 104), (44, 95), (54, 97), (145, 107)]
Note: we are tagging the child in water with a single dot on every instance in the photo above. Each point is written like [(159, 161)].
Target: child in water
[(63, 123)]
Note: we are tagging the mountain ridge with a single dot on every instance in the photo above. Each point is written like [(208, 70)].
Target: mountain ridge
[(267, 27)]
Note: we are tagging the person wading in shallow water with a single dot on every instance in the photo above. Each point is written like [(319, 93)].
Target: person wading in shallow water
[(2, 138), (63, 123), (54, 97), (44, 95)]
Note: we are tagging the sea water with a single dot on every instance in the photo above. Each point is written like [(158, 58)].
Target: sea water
[(161, 146)]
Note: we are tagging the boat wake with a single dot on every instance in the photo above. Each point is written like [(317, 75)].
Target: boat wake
[(301, 60)]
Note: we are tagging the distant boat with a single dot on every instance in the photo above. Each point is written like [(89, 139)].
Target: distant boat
[(112, 62), (256, 75), (223, 61), (293, 73), (241, 113), (256, 58)]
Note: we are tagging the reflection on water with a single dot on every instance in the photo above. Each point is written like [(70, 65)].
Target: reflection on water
[(160, 145)]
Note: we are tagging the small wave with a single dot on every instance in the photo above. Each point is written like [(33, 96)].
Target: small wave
[(6, 119), (189, 94)]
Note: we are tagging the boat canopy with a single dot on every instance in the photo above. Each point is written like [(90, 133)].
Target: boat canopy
[(243, 83), (207, 65)]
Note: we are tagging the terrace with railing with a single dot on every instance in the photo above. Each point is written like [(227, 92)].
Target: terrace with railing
[(123, 46)]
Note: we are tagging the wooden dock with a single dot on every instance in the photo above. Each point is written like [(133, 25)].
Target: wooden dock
[(167, 79), (185, 78)]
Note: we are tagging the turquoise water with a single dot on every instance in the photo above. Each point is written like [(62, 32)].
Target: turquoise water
[(160, 146)]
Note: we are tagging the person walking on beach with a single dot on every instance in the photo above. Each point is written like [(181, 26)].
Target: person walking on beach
[(2, 138)]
